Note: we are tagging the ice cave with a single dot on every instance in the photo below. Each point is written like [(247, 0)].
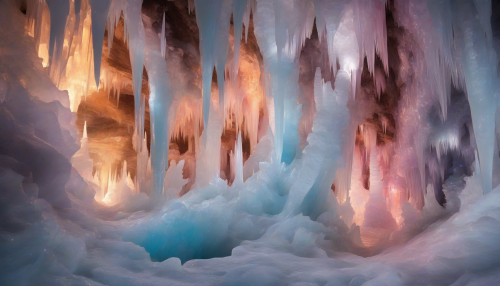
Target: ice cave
[(249, 142)]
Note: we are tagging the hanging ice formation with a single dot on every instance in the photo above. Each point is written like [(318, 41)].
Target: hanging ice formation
[(447, 47)]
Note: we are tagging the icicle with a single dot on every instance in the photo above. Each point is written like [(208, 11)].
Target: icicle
[(163, 39), (99, 14), (114, 14), (238, 14), (59, 10), (273, 21), (213, 20), (246, 16), (328, 16), (134, 30)]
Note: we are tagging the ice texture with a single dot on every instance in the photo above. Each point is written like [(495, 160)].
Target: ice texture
[(422, 209)]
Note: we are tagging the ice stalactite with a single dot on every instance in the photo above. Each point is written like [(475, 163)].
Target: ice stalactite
[(59, 10), (135, 38), (328, 17), (238, 14), (99, 14), (213, 18), (371, 31), (160, 100), (114, 14), (163, 40), (238, 166), (273, 21)]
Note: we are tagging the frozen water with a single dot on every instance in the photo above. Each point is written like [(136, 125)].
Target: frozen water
[(412, 211)]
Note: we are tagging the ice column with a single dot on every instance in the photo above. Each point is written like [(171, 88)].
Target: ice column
[(159, 105), (479, 62), (319, 161)]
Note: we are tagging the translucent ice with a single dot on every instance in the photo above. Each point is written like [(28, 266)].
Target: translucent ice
[(99, 12)]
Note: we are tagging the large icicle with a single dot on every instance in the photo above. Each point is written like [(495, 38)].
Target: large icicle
[(213, 21), (238, 13), (99, 15), (135, 38), (159, 105)]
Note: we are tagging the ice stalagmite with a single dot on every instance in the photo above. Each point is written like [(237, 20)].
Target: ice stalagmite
[(99, 14), (208, 155), (238, 178), (81, 161), (376, 215), (479, 62), (319, 161), (159, 105)]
